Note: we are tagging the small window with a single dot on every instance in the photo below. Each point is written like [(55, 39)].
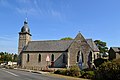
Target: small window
[(64, 58), (28, 56), (52, 57), (82, 57), (78, 55), (90, 56), (39, 58), (94, 56)]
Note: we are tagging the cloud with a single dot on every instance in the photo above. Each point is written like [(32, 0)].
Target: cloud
[(28, 6), (7, 38), (8, 43), (37, 7), (55, 13), (4, 39), (34, 8), (21, 10), (30, 11), (24, 1)]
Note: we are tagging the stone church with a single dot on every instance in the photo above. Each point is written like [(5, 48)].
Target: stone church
[(55, 53)]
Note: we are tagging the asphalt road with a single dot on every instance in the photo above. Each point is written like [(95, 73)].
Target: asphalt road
[(9, 74)]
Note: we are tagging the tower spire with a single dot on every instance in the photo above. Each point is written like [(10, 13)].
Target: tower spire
[(26, 19), (26, 16), (25, 22)]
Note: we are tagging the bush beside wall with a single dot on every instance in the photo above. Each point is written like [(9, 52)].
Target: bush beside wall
[(108, 71), (73, 71)]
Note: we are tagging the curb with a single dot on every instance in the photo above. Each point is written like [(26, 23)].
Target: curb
[(33, 71)]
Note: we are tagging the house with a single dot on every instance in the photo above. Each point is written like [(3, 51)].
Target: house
[(55, 53), (114, 53)]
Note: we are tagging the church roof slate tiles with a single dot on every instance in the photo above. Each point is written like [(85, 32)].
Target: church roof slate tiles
[(55, 45), (50, 45), (92, 45), (116, 49)]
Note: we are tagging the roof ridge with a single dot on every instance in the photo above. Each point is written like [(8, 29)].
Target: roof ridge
[(114, 47), (49, 40), (89, 39)]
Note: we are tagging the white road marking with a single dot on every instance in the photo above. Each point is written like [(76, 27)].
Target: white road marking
[(10, 73)]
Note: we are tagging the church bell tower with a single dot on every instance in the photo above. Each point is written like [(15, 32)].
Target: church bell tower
[(24, 37)]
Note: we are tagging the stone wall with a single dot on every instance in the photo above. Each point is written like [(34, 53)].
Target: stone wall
[(24, 38), (117, 55), (35, 64), (79, 44)]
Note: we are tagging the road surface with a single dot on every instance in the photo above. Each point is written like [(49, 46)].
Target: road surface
[(10, 74)]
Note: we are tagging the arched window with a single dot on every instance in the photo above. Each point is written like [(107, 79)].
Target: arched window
[(28, 56), (39, 58), (90, 56), (94, 56), (52, 57), (64, 58), (80, 57)]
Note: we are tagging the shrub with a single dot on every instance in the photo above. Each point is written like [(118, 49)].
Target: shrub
[(90, 74), (99, 61), (87, 74), (57, 72), (108, 71), (73, 71), (82, 72), (63, 72)]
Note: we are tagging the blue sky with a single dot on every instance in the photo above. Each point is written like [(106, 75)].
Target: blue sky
[(55, 19)]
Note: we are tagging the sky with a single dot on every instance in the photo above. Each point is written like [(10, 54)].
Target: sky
[(56, 19)]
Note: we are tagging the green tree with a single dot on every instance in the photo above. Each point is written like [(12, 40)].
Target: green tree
[(5, 57), (101, 45), (66, 38), (108, 71), (15, 58)]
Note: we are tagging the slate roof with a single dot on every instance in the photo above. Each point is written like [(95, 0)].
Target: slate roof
[(50, 45), (116, 49), (54, 45), (92, 45)]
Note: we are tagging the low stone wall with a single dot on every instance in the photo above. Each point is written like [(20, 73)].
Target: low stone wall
[(40, 68)]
